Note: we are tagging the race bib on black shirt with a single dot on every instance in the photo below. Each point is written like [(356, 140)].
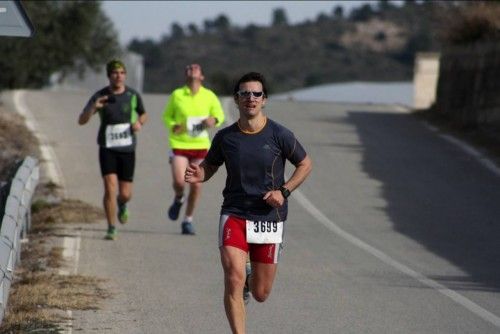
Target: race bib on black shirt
[(118, 135)]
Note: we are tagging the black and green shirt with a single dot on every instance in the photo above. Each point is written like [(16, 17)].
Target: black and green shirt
[(117, 117)]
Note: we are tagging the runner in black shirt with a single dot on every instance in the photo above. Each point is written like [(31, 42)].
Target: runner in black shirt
[(122, 115), (254, 150)]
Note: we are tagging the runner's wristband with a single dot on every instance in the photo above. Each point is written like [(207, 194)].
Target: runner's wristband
[(285, 192)]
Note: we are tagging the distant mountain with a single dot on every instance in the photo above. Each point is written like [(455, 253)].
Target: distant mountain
[(376, 42)]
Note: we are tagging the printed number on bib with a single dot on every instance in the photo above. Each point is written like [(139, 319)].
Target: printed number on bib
[(195, 126), (263, 232), (118, 135)]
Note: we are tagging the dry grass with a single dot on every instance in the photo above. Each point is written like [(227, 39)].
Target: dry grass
[(16, 141), (46, 215), (55, 257), (63, 292), (38, 320), (39, 295), (36, 297)]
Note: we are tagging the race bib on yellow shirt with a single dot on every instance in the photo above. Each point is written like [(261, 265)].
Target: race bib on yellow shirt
[(118, 135), (195, 128), (264, 232)]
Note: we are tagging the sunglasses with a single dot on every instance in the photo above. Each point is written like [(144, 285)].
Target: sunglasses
[(245, 93)]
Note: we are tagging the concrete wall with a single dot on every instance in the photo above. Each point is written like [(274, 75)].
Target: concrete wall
[(469, 84), (425, 79), (92, 81)]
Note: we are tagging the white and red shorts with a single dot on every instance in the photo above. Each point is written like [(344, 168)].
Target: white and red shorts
[(232, 232)]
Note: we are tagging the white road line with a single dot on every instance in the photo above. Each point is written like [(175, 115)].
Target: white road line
[(71, 253), (71, 245), (321, 218), (480, 157), (402, 108), (49, 159), (69, 323), (456, 297)]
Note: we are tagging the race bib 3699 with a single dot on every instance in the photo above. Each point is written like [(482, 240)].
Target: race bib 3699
[(264, 232)]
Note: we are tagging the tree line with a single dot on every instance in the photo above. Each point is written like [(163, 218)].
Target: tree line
[(69, 36), (375, 41)]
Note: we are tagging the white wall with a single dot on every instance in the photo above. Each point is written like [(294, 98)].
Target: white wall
[(425, 78)]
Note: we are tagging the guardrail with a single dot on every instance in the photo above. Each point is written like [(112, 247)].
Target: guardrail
[(16, 222)]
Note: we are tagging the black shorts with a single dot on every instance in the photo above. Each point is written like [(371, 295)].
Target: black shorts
[(120, 163)]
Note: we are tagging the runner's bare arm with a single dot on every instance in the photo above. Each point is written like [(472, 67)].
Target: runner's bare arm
[(275, 198), (199, 173), (90, 109), (137, 126), (302, 170)]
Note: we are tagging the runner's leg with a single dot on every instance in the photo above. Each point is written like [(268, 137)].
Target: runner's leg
[(194, 194), (125, 193), (179, 165), (233, 262), (125, 172), (262, 279), (109, 198)]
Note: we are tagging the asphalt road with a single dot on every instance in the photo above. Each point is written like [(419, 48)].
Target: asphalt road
[(395, 231)]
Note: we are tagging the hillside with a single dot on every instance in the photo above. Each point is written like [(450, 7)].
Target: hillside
[(376, 42)]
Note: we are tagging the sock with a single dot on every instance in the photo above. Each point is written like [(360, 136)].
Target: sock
[(188, 219), (179, 199), (119, 202)]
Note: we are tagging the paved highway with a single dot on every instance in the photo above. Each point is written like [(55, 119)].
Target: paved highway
[(396, 230)]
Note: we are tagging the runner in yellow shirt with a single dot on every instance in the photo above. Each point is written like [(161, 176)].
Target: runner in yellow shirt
[(190, 110)]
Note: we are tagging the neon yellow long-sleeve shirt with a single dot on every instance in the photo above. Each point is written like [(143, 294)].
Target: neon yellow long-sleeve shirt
[(189, 110)]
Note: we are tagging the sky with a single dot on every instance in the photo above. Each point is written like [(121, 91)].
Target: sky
[(152, 19)]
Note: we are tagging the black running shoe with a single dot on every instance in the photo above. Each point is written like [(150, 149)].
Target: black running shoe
[(175, 208)]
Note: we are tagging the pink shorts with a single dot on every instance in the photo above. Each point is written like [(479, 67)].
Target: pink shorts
[(232, 232)]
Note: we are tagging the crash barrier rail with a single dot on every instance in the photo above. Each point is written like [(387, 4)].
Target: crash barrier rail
[(16, 222)]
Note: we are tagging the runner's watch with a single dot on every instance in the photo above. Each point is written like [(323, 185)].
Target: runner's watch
[(285, 192)]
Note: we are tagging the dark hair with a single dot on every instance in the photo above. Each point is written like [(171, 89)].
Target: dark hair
[(189, 65), (113, 65), (251, 76)]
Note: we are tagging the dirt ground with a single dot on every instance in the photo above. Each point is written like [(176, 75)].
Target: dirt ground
[(40, 295), (16, 142)]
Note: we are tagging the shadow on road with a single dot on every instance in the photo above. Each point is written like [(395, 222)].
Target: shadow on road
[(436, 194)]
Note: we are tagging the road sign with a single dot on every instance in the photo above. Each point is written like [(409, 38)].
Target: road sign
[(13, 20)]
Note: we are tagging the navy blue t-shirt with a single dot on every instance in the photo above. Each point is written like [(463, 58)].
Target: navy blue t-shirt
[(255, 164)]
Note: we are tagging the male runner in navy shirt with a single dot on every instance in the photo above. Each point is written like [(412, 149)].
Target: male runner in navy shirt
[(254, 150)]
